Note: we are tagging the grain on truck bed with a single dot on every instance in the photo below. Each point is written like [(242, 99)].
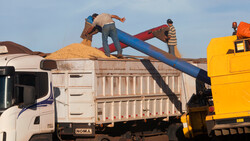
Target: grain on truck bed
[(77, 50)]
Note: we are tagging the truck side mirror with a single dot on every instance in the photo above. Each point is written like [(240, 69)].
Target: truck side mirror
[(29, 95)]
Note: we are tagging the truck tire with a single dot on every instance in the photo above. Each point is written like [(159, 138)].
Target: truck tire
[(41, 137), (102, 138), (105, 139), (175, 132)]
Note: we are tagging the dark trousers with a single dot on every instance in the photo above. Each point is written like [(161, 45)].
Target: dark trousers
[(110, 30), (171, 49)]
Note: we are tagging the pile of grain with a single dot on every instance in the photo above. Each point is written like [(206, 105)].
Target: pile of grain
[(77, 50)]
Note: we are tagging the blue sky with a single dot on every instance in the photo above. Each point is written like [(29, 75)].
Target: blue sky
[(48, 25)]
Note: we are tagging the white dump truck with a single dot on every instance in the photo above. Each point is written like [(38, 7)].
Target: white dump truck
[(82, 99)]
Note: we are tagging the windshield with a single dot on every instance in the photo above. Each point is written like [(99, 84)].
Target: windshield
[(6, 91)]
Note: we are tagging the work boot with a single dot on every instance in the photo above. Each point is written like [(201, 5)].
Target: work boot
[(120, 56), (108, 55)]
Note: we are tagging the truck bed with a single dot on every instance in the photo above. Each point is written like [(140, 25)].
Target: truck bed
[(109, 91)]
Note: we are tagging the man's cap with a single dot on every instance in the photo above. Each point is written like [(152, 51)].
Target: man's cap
[(169, 21)]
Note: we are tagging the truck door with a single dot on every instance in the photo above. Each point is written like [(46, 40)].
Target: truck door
[(35, 119)]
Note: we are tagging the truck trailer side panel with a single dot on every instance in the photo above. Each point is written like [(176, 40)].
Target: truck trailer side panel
[(109, 91)]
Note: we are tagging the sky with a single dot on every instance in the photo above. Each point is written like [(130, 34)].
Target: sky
[(49, 25)]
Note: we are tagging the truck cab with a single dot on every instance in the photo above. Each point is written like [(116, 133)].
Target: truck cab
[(26, 97)]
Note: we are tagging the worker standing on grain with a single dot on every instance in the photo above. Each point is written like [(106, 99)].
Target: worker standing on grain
[(172, 40), (108, 29)]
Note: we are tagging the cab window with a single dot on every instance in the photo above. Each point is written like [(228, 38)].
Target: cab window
[(39, 80), (242, 45)]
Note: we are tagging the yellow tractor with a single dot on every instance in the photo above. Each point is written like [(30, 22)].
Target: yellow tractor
[(228, 66)]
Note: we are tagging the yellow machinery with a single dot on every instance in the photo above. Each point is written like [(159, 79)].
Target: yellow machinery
[(228, 61), (194, 123)]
